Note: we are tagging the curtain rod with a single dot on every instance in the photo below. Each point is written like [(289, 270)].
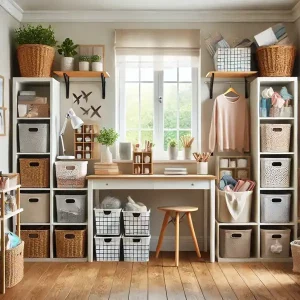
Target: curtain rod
[(226, 82)]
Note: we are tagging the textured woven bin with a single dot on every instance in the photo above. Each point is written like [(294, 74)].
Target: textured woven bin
[(276, 61), (14, 265), (36, 243), (70, 243), (35, 60), (295, 246), (34, 172)]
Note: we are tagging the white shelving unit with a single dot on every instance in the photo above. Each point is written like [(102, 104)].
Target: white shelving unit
[(50, 88)]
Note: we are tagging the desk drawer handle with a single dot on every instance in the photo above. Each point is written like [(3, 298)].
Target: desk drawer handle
[(106, 183)]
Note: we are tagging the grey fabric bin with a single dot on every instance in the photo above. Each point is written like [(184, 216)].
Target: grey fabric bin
[(275, 208), (33, 138)]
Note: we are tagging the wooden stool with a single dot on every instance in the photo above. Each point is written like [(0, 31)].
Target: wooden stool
[(186, 210)]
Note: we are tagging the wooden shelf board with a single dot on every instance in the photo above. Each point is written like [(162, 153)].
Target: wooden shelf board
[(46, 153), (29, 119), (223, 74), (35, 224), (82, 74), (70, 224), (70, 189)]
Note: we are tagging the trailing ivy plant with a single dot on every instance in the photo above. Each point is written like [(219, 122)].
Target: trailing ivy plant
[(84, 58), (35, 35), (67, 48), (95, 58), (107, 137)]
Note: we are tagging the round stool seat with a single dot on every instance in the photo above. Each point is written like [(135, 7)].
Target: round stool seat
[(178, 208)]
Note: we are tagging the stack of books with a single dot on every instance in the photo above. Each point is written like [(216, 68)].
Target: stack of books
[(106, 169), (175, 171)]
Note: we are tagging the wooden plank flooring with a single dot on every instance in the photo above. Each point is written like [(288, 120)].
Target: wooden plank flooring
[(157, 280)]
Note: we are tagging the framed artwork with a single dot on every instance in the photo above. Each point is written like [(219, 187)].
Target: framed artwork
[(90, 50), (2, 121), (1, 91)]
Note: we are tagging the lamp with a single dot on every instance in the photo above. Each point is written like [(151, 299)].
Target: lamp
[(76, 123)]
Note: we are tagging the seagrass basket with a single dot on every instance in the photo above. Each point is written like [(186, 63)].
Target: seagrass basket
[(35, 60), (276, 61)]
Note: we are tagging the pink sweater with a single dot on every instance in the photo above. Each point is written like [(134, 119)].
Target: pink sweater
[(230, 124)]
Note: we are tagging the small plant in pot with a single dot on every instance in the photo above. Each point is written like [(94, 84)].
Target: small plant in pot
[(35, 50), (84, 63), (96, 63), (107, 137), (68, 50), (173, 149)]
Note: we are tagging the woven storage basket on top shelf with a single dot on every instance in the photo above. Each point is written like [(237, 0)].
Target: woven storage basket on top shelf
[(14, 265), (36, 243), (295, 245), (35, 60), (70, 243), (276, 61)]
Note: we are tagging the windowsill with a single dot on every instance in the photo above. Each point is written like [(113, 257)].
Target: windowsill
[(162, 161)]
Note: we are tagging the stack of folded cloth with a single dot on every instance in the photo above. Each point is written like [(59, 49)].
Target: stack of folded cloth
[(229, 184)]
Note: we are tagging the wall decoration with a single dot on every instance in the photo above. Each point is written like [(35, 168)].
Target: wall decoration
[(77, 98), (85, 111), (86, 95), (2, 121), (95, 111), (92, 50), (1, 91)]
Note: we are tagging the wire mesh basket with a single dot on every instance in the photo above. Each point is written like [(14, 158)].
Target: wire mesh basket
[(136, 223), (107, 221), (136, 248), (107, 248)]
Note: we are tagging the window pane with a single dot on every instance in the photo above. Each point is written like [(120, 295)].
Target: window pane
[(132, 136), (132, 74), (170, 74), (169, 135), (170, 105), (182, 133), (147, 105), (185, 74), (147, 74), (147, 135), (185, 105), (132, 105)]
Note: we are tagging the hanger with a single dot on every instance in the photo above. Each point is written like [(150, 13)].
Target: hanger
[(231, 90)]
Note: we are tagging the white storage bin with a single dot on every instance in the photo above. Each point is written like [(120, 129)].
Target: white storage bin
[(235, 243), (71, 174), (36, 208), (275, 243), (275, 208), (107, 221), (136, 248), (275, 172), (107, 248), (33, 138), (234, 207), (275, 137), (71, 208), (136, 223)]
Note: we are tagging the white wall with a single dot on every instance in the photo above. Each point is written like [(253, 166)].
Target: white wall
[(7, 26)]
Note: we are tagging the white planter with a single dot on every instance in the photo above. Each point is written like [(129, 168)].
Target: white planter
[(84, 66), (97, 66), (106, 156), (202, 168), (67, 64), (187, 153), (173, 153)]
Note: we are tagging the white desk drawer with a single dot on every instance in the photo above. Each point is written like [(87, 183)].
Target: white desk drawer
[(123, 184), (181, 185)]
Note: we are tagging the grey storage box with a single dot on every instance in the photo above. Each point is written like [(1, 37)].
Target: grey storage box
[(275, 243), (71, 208), (235, 243), (36, 208), (33, 138), (275, 208)]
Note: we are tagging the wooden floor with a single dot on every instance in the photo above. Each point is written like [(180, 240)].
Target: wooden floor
[(156, 280)]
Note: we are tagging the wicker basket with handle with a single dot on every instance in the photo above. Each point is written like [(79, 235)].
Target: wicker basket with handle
[(35, 60), (70, 243), (276, 61)]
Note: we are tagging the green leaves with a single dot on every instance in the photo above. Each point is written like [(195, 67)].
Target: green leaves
[(107, 137), (173, 143), (67, 48), (35, 35), (84, 58), (95, 58)]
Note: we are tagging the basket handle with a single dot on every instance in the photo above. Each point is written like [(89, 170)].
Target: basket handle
[(34, 164), (33, 200), (136, 240), (70, 168), (33, 129), (276, 164), (107, 212), (107, 240), (277, 129), (33, 235), (136, 215), (276, 236), (70, 201), (276, 200), (236, 235), (70, 236)]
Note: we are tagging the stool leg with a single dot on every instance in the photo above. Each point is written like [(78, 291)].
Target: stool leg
[(162, 232), (189, 217), (177, 240)]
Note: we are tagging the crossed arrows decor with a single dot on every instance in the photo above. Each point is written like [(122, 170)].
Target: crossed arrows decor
[(95, 111)]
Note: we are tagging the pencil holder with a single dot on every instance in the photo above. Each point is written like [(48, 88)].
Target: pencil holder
[(202, 168), (187, 153)]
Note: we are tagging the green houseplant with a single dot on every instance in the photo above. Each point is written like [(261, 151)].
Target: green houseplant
[(35, 50), (68, 50), (84, 63), (96, 63), (107, 137), (173, 150)]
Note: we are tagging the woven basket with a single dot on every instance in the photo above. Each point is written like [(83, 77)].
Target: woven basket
[(35, 60), (70, 243), (276, 61), (14, 265), (295, 246), (36, 243)]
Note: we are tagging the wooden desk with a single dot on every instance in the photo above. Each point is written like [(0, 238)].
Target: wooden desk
[(154, 182)]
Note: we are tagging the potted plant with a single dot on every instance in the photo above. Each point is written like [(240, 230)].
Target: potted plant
[(107, 137), (173, 150), (84, 63), (96, 63), (35, 50), (68, 50)]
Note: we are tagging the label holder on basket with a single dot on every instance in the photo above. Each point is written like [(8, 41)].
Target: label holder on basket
[(70, 236), (34, 164), (33, 235)]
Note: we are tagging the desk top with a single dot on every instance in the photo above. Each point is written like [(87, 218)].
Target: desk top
[(149, 177)]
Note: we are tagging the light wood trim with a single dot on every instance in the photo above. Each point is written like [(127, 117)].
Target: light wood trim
[(156, 176), (177, 239), (162, 232), (2, 243), (83, 74), (18, 196), (190, 221), (224, 74)]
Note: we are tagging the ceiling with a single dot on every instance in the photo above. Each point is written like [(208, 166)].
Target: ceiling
[(78, 5)]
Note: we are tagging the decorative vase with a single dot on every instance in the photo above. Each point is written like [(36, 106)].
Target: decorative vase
[(97, 66), (84, 66), (187, 153), (125, 151), (202, 168), (106, 156), (67, 64), (173, 153)]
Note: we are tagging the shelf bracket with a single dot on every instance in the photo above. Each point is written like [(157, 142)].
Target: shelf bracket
[(211, 85), (103, 83), (67, 82)]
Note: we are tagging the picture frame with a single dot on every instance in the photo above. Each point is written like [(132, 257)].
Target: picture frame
[(2, 121), (1, 91), (89, 50)]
